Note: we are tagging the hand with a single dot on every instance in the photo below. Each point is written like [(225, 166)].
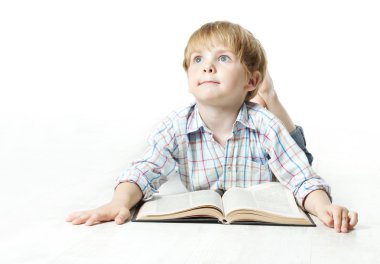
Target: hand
[(259, 100), (266, 91), (112, 211), (337, 217)]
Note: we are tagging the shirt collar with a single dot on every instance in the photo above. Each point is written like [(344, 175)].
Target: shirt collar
[(196, 123), (244, 118)]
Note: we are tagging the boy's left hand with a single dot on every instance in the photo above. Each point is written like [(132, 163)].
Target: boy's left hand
[(266, 91), (337, 217)]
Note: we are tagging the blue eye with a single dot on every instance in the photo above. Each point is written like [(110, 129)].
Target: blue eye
[(224, 58), (197, 59)]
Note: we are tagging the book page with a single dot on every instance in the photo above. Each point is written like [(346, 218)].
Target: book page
[(168, 204), (270, 197)]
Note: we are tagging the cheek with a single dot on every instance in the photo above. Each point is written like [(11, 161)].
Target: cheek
[(191, 79), (190, 83), (191, 75), (239, 78)]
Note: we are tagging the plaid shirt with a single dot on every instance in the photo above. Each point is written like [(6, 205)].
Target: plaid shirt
[(260, 145)]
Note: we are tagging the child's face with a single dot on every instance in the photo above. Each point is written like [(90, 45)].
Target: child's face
[(217, 77)]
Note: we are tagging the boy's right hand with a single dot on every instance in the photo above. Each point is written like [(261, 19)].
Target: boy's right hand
[(113, 211)]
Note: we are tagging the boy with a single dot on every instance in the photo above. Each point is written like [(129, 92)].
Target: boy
[(223, 140)]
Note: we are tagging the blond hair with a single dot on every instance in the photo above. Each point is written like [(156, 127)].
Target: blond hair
[(241, 41)]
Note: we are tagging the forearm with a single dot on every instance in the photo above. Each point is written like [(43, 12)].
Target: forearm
[(274, 105), (128, 194), (315, 200)]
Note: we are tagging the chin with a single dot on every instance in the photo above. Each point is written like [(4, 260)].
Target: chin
[(209, 101)]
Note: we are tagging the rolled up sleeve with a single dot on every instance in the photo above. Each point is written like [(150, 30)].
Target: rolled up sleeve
[(158, 162), (290, 165)]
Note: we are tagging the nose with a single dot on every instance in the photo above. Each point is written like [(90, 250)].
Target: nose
[(209, 69)]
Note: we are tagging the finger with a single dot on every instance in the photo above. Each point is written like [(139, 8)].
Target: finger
[(94, 219), (122, 216), (71, 216), (99, 217), (337, 215), (326, 218), (345, 219), (353, 216), (80, 219)]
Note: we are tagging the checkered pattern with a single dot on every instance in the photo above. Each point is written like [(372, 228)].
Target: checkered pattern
[(260, 145)]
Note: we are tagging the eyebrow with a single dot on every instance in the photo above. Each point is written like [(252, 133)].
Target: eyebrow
[(218, 52)]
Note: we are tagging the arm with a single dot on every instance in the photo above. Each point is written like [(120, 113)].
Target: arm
[(128, 194), (289, 163), (316, 198), (311, 192), (267, 97), (138, 182), (158, 162)]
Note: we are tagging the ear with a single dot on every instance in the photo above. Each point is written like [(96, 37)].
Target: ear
[(254, 81)]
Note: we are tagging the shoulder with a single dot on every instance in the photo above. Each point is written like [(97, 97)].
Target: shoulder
[(180, 114), (259, 116), (175, 122), (266, 123)]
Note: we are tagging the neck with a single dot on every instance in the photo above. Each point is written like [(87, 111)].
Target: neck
[(219, 120)]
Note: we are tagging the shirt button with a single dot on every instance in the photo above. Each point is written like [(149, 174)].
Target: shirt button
[(229, 168)]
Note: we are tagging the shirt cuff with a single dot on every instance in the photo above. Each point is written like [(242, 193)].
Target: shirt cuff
[(140, 181), (309, 186)]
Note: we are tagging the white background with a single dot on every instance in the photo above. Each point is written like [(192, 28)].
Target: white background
[(82, 84)]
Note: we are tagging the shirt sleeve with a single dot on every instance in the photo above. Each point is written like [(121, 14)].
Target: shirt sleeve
[(299, 137), (158, 162), (289, 163)]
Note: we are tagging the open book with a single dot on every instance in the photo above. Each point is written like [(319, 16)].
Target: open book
[(264, 204)]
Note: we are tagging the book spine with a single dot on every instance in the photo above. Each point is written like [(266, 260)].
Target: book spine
[(224, 222)]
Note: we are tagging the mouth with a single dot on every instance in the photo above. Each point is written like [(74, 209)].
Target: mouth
[(208, 82)]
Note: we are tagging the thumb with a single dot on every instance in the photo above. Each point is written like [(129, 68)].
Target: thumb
[(122, 216), (326, 218)]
